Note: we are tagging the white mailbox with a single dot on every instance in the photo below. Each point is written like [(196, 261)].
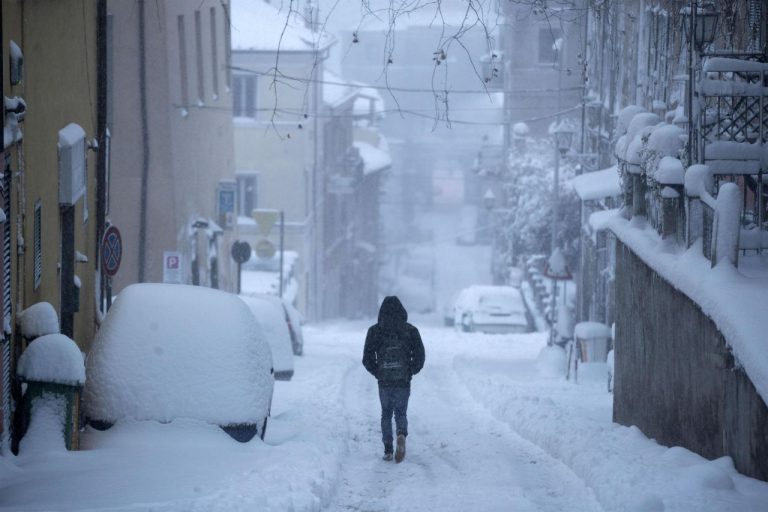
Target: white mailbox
[(72, 164)]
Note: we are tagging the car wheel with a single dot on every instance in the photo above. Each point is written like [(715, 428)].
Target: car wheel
[(100, 425), (242, 433)]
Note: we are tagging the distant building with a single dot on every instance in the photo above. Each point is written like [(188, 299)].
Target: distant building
[(277, 68), (170, 100), (539, 56)]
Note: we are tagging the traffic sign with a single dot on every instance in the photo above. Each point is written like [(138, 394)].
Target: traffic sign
[(265, 249), (557, 268), (265, 219), (241, 252), (172, 267), (111, 251)]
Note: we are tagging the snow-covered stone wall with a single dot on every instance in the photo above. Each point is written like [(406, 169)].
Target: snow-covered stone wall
[(676, 378)]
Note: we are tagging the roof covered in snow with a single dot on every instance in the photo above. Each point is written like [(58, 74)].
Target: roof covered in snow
[(259, 26), (598, 184), (374, 159)]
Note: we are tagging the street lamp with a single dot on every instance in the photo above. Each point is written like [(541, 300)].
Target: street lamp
[(563, 135), (699, 29), (702, 22)]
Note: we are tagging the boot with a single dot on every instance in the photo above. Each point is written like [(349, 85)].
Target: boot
[(387, 451), (400, 450)]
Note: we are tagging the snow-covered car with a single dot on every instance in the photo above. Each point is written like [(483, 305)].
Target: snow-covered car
[(492, 309), (295, 321), (167, 351), (269, 312)]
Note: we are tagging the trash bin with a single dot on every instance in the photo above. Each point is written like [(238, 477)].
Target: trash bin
[(53, 370), (593, 339), (64, 397)]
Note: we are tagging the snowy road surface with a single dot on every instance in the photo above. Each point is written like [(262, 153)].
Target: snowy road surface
[(490, 429), (459, 456)]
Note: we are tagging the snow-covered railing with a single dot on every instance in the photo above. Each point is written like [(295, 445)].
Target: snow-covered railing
[(685, 205), (733, 134)]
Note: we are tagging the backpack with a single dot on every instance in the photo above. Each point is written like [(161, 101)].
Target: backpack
[(393, 358)]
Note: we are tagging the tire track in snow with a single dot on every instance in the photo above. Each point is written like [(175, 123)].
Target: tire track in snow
[(459, 456)]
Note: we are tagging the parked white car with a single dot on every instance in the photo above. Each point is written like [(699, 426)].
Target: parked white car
[(167, 351), (295, 322), (269, 312), (492, 309)]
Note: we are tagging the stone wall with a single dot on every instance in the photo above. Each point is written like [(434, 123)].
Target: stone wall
[(675, 377)]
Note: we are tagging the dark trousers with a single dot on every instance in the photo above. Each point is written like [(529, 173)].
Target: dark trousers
[(393, 400)]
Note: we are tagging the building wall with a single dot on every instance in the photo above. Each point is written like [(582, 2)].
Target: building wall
[(190, 143), (532, 77), (692, 394), (59, 87)]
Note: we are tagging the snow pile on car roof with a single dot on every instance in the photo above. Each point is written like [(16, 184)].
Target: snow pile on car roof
[(52, 358), (171, 351)]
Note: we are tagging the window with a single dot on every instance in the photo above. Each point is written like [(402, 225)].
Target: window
[(214, 55), (550, 40), (183, 63), (247, 193), (199, 58), (37, 248), (244, 96)]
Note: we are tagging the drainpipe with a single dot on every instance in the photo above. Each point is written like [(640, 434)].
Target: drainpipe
[(144, 145), (101, 133)]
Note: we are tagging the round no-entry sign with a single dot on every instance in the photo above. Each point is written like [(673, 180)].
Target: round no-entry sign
[(111, 251), (241, 251)]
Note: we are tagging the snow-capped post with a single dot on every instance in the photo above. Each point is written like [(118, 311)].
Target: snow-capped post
[(556, 269), (53, 369), (699, 183), (727, 226), (669, 177)]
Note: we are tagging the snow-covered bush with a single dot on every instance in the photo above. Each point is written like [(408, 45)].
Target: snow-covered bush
[(528, 185)]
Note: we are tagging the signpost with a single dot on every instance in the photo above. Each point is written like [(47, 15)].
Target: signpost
[(265, 220), (172, 267), (241, 252), (111, 256)]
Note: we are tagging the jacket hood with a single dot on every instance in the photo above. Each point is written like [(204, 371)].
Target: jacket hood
[(392, 311)]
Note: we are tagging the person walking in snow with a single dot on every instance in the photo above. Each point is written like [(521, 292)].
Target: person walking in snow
[(393, 354)]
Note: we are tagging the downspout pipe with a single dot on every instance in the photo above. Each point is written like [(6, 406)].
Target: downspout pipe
[(101, 132), (144, 145)]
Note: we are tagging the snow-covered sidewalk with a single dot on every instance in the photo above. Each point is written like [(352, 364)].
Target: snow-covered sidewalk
[(572, 422)]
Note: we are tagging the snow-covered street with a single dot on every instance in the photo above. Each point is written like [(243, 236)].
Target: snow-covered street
[(490, 429)]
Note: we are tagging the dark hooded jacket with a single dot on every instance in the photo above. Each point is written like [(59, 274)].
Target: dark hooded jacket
[(393, 320)]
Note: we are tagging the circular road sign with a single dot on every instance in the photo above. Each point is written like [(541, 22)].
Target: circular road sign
[(265, 249), (111, 251), (241, 251)]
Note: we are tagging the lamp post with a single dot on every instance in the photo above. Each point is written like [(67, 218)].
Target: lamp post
[(699, 29), (563, 135)]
